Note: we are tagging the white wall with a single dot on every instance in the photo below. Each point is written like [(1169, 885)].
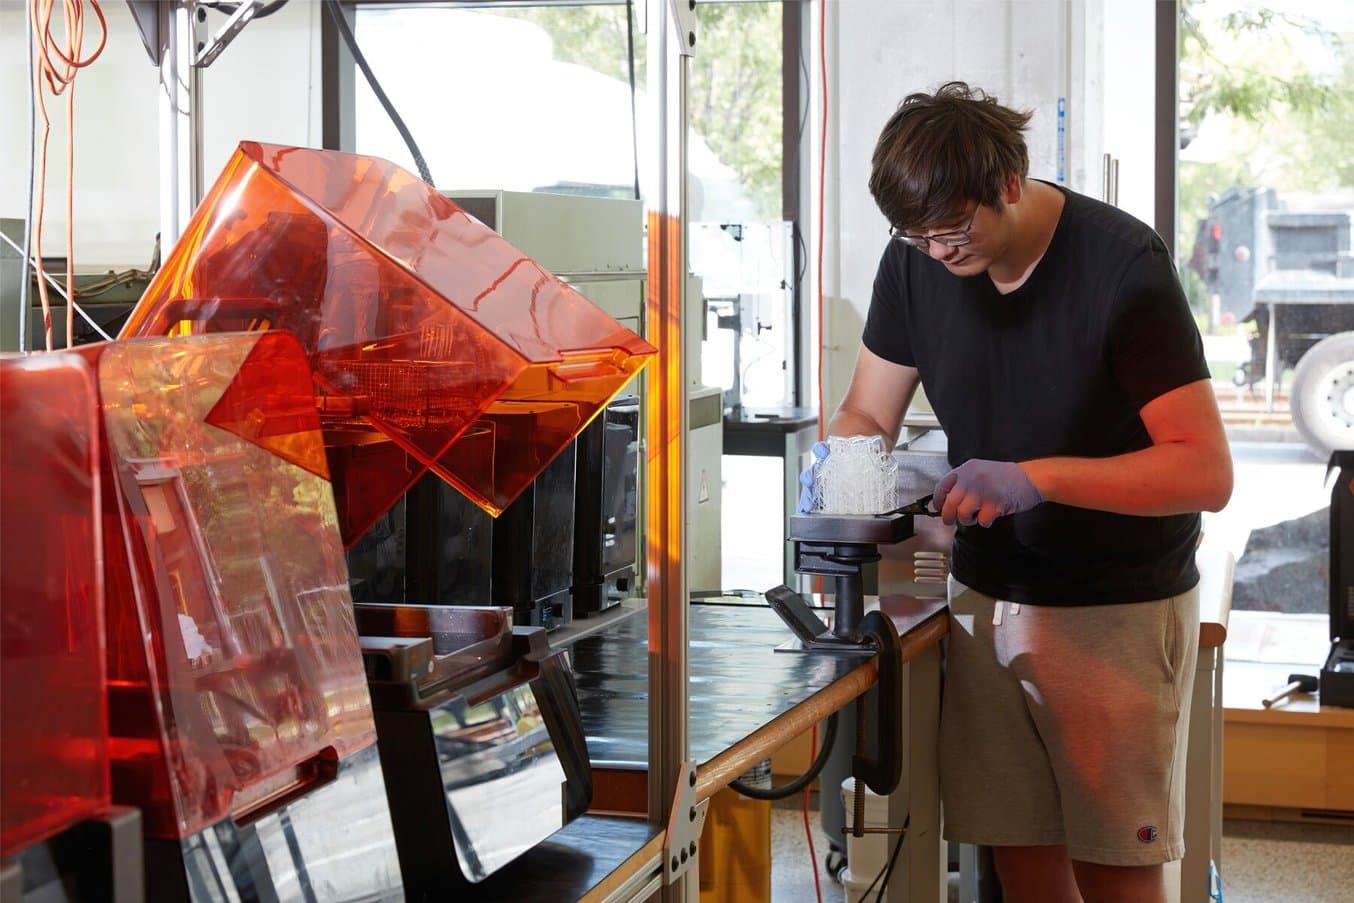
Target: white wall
[(1128, 101), (886, 49), (264, 87)]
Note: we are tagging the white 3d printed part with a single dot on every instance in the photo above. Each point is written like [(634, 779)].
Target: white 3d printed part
[(857, 477)]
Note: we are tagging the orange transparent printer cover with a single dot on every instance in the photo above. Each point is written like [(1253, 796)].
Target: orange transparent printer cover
[(53, 744), (432, 341), (235, 676)]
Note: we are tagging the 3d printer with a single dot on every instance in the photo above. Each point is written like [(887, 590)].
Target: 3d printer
[(59, 832), (433, 344)]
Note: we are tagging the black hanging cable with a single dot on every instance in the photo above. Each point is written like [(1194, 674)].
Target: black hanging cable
[(887, 871), (346, 33), (263, 12), (630, 61), (805, 779)]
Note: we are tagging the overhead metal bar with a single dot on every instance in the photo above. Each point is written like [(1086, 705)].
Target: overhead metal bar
[(242, 16)]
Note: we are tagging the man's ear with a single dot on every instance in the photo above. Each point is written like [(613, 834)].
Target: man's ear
[(1013, 190)]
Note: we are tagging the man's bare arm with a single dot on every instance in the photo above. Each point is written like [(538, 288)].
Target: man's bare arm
[(876, 400), (1187, 468)]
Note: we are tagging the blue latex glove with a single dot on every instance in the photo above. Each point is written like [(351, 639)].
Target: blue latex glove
[(806, 478), (979, 492)]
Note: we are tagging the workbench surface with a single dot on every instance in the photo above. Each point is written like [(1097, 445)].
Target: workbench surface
[(738, 681), (739, 685), (577, 860)]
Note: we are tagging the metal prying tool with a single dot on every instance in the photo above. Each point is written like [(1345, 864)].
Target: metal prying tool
[(1297, 683), (920, 508)]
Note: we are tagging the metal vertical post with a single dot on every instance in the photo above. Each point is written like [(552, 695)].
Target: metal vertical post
[(1167, 119), (1272, 374), (180, 119), (671, 37), (338, 103)]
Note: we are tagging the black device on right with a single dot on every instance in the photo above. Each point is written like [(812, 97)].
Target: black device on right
[(1337, 674), (606, 508)]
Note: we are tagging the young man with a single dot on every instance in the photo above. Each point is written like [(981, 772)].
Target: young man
[(1058, 351)]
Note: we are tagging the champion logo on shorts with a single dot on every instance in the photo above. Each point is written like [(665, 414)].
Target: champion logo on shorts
[(1147, 833)]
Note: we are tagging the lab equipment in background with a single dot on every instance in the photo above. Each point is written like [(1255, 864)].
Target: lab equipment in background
[(1337, 674), (59, 833), (435, 343), (606, 508), (482, 742), (240, 720), (747, 270), (451, 552), (783, 433), (705, 449), (750, 333), (594, 244), (456, 554), (568, 546), (106, 296)]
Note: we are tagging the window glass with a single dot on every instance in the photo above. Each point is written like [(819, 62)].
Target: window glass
[(524, 100), (537, 98), (1266, 194)]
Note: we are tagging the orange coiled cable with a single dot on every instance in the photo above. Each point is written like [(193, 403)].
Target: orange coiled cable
[(57, 64)]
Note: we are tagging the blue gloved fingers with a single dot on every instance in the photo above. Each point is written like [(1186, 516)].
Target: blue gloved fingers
[(980, 492), (967, 506), (990, 511), (807, 475), (942, 490)]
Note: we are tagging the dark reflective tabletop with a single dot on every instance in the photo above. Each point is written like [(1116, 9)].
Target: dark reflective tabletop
[(738, 681)]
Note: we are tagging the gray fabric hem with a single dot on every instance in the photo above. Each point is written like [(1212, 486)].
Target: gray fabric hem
[(961, 834), (1129, 856)]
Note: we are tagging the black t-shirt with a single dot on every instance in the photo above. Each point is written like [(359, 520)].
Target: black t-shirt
[(1059, 367)]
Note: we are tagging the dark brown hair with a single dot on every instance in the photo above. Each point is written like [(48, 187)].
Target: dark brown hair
[(940, 151)]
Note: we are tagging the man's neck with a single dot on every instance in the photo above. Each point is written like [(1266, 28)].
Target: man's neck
[(1033, 222)]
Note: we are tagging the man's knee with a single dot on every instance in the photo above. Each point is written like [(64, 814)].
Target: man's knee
[(1120, 883), (1036, 873)]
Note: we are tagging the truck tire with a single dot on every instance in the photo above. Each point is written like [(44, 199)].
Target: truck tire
[(1322, 397)]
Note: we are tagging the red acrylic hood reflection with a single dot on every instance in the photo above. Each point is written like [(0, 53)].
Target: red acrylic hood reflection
[(235, 679), (53, 731), (433, 343)]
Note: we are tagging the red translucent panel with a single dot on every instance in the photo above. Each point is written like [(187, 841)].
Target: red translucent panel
[(235, 676), (53, 732), (428, 334)]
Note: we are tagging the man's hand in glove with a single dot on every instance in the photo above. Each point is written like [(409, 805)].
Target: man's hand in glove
[(806, 478), (979, 492)]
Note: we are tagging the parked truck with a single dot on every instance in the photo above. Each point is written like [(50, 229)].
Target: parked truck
[(1291, 273)]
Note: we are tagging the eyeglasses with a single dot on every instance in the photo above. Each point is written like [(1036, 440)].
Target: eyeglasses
[(954, 239)]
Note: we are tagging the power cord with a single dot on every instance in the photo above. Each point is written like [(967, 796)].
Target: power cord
[(804, 780), (808, 828), (887, 871), (346, 33), (263, 12), (630, 64), (57, 63)]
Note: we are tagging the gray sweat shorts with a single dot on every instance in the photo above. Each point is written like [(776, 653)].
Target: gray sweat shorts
[(1067, 725)]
